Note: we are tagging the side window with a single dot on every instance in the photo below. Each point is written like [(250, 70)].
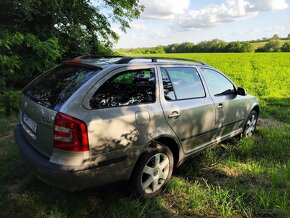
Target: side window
[(126, 88), (217, 83), (181, 83), (167, 86)]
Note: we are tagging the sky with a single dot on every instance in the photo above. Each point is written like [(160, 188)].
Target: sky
[(165, 22)]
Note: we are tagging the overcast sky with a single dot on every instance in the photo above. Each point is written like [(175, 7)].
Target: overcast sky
[(170, 21)]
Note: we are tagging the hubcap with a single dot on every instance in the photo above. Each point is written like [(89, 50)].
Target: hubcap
[(155, 173), (251, 125)]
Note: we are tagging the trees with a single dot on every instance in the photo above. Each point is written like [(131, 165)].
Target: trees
[(185, 47), (172, 48), (286, 47), (273, 45), (217, 45), (247, 47), (275, 36), (34, 34), (80, 27), (234, 47)]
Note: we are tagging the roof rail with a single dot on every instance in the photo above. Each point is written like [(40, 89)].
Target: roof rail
[(126, 60), (98, 56)]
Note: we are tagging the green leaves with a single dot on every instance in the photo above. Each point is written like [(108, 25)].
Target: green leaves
[(81, 26), (22, 57)]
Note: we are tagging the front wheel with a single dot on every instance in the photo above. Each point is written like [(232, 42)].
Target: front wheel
[(152, 171), (251, 124)]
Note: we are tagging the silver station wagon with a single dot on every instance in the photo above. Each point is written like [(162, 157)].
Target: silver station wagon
[(96, 120)]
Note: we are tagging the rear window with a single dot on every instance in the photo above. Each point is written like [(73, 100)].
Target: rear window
[(54, 87)]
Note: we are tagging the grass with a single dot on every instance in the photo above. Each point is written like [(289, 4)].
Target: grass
[(244, 178), (239, 178)]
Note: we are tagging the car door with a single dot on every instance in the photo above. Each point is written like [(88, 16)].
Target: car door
[(229, 107), (123, 108), (187, 106)]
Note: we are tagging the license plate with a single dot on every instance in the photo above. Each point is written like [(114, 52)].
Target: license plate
[(30, 123)]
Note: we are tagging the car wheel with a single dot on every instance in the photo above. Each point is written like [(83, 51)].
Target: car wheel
[(250, 125), (152, 171)]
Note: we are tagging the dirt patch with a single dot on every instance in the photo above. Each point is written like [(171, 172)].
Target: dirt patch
[(270, 123)]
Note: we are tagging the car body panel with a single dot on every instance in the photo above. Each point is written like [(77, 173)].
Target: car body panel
[(42, 139)]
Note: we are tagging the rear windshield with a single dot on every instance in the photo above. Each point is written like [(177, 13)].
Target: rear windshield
[(54, 87)]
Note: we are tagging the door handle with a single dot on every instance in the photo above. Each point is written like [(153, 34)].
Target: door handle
[(220, 106), (174, 114)]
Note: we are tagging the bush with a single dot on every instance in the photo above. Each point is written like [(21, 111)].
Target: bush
[(24, 56), (274, 45), (286, 47), (9, 102)]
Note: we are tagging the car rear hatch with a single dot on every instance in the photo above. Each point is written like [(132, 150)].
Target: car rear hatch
[(43, 98)]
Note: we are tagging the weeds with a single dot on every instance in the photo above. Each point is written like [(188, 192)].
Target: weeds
[(245, 178)]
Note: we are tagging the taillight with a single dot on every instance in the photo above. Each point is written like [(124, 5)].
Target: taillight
[(70, 133)]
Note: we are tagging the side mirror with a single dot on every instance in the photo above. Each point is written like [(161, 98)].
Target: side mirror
[(241, 91)]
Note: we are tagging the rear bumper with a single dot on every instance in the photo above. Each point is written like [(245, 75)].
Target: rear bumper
[(72, 178)]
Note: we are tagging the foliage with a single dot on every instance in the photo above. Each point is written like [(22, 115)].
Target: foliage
[(216, 46), (234, 47), (212, 46), (80, 27), (152, 50), (35, 34), (9, 102), (247, 47), (274, 45), (22, 57), (286, 47)]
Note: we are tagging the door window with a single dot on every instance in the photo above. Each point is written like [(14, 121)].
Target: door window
[(217, 83), (181, 83), (167, 86), (126, 88)]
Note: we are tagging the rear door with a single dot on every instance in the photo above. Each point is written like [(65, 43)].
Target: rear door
[(44, 96), (123, 110), (187, 106)]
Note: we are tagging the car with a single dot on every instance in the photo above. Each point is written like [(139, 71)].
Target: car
[(97, 120)]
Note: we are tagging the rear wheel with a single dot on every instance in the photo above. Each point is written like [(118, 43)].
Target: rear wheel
[(152, 171), (251, 124)]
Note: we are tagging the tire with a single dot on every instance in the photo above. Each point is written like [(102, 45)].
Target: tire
[(152, 171), (250, 125)]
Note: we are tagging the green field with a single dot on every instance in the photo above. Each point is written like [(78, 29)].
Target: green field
[(262, 74), (239, 178)]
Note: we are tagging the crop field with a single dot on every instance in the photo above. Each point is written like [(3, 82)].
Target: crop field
[(238, 178)]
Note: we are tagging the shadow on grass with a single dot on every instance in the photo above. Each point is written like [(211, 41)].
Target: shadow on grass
[(23, 195), (249, 175)]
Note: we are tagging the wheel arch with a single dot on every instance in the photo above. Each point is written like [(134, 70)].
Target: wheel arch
[(172, 143), (256, 108)]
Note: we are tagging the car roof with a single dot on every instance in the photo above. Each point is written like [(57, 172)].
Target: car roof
[(104, 61)]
